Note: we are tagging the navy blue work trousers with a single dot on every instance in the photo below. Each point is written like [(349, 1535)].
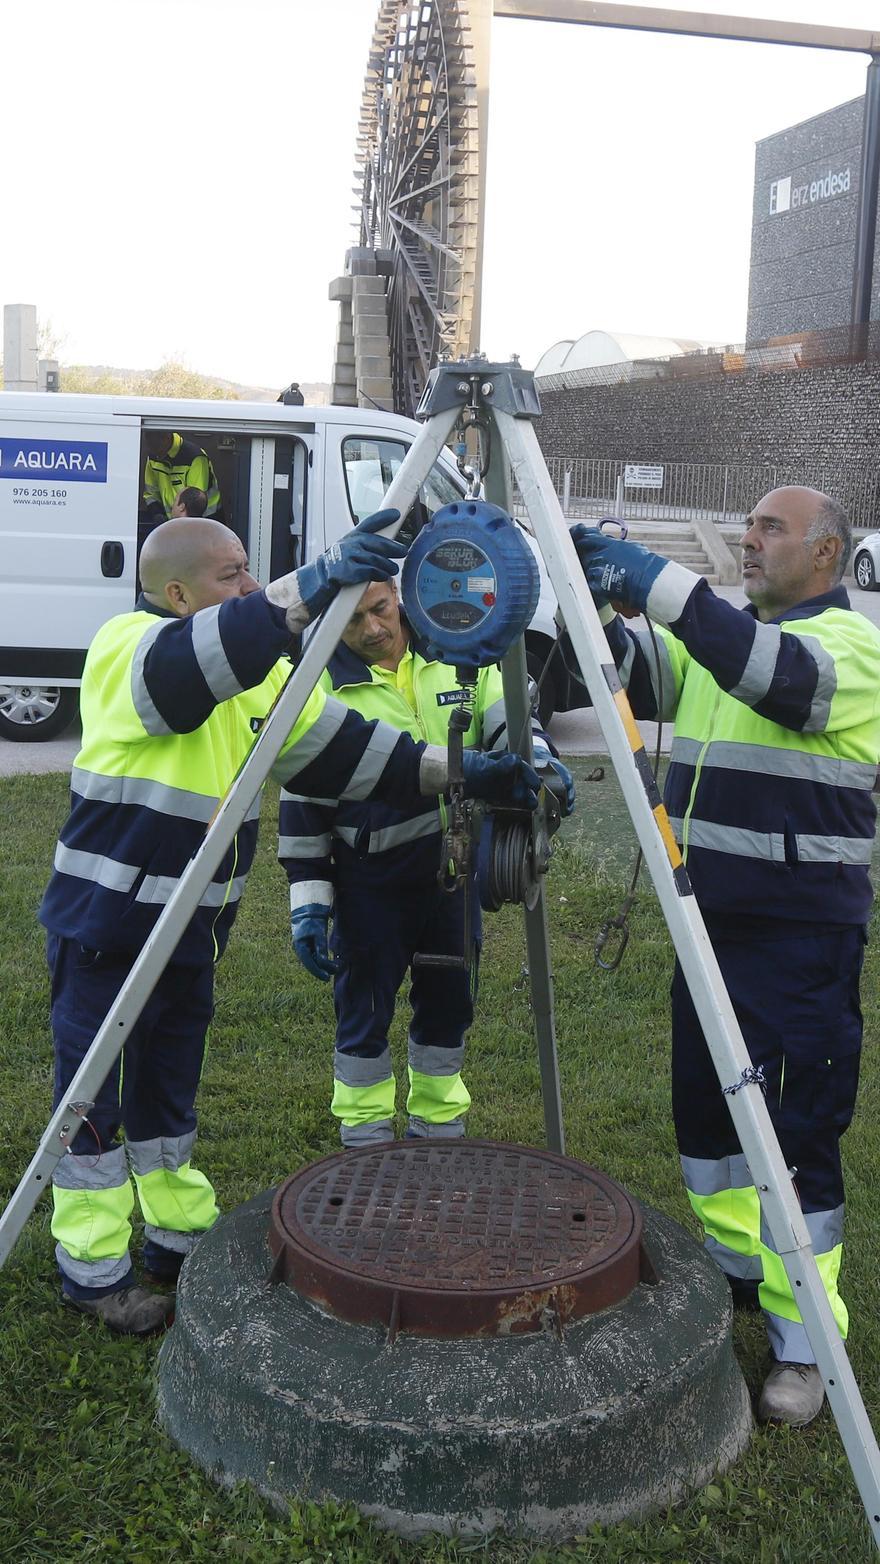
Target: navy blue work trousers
[(377, 930), (151, 1088), (797, 1001)]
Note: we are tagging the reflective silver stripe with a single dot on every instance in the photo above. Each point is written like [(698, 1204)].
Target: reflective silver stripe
[(114, 876), (687, 751), (92, 1273), (304, 846), (834, 849), (285, 593), (178, 1243), (310, 744), (307, 798), (210, 655), (354, 1071), (156, 889), (625, 669), (826, 688), (824, 1227), (713, 1176), (366, 1134), (737, 840), (430, 1060), (164, 1153), (107, 1171), (391, 835), (761, 759), (144, 705), (433, 769), (176, 801), (757, 676), (669, 593), (311, 893), (382, 743), (420, 1129), (408, 831), (745, 1267), (789, 1342), (667, 707), (770, 845)]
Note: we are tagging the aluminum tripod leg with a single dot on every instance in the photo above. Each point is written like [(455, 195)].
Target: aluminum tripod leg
[(519, 736), (748, 1109), (159, 948)]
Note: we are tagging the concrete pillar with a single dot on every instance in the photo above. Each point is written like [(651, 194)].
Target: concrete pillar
[(20, 347)]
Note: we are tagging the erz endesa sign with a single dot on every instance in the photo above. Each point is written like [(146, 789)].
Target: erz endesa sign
[(70, 461)]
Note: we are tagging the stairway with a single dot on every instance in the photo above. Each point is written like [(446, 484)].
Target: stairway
[(678, 541)]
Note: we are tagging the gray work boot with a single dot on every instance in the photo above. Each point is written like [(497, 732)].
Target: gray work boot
[(133, 1311), (793, 1393)]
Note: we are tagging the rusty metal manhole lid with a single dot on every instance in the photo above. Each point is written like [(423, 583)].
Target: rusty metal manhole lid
[(456, 1237)]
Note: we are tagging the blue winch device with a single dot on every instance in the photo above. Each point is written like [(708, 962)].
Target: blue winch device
[(470, 584)]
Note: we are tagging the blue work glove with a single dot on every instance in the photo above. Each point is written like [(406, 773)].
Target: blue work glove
[(625, 572), (563, 790), (309, 927), (503, 780), (358, 557)]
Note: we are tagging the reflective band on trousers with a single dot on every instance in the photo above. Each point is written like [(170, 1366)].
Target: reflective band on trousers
[(770, 845)]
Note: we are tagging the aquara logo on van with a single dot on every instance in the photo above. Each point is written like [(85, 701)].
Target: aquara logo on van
[(74, 461)]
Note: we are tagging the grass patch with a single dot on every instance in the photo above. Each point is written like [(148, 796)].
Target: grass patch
[(85, 1472)]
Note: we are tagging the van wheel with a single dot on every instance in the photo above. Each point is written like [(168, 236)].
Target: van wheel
[(863, 570), (30, 713), (547, 698)]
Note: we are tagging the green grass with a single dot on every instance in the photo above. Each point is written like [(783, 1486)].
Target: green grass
[(86, 1473)]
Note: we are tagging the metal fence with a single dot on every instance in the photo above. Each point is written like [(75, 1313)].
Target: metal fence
[(723, 493)]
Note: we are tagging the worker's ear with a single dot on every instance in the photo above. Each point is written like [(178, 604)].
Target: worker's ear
[(178, 597), (827, 550)]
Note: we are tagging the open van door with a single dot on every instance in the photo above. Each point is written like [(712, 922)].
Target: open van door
[(68, 536)]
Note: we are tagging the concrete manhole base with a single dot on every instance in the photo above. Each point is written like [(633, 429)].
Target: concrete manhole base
[(540, 1435)]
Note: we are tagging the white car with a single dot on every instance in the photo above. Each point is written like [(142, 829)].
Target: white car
[(866, 562)]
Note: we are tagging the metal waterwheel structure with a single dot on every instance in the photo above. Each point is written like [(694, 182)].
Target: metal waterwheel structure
[(420, 171)]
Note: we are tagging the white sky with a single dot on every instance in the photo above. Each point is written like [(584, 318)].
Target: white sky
[(178, 175)]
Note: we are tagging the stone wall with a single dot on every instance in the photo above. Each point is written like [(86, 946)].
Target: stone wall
[(811, 418)]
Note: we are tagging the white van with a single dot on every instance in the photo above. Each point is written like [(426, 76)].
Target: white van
[(291, 480)]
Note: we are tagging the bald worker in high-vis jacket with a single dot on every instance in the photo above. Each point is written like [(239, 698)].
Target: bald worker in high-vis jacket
[(172, 695)]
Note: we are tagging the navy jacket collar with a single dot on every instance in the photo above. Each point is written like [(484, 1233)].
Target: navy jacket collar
[(144, 606), (838, 597)]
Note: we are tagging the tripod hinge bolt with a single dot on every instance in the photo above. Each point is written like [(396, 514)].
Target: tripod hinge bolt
[(463, 388), (486, 388)]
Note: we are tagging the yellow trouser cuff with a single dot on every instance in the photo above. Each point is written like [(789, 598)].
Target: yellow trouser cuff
[(180, 1201), (363, 1104), (774, 1293), (93, 1224), (436, 1098), (732, 1217)]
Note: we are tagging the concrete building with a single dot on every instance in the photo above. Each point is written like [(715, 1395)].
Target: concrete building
[(804, 226)]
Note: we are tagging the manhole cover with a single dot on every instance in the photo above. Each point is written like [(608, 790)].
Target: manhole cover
[(456, 1238)]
